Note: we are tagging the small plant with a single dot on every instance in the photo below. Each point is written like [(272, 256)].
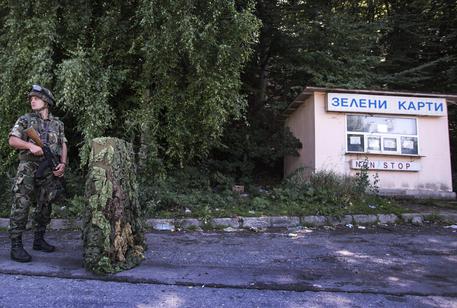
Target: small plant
[(70, 208), (193, 228), (362, 179), (374, 188), (260, 203), (434, 218)]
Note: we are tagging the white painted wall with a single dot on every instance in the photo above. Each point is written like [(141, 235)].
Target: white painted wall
[(301, 124)]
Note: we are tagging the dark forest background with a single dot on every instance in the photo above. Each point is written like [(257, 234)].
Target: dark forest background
[(201, 85)]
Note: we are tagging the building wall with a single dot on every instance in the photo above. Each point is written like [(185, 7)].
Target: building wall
[(301, 124), (330, 137), (435, 173)]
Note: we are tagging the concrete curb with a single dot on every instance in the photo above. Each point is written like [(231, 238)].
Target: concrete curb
[(267, 222)]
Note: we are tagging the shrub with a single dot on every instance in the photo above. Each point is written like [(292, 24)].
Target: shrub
[(6, 183), (196, 193), (328, 193)]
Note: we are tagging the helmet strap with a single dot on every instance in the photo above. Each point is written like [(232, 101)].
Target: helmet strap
[(41, 109), (43, 115)]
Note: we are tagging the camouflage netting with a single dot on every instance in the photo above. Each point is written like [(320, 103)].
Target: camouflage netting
[(113, 224)]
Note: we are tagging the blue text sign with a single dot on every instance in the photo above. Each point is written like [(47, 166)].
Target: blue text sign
[(346, 102)]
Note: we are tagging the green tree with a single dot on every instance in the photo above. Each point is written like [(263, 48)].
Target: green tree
[(420, 52), (302, 43), (28, 36), (420, 46), (97, 69), (166, 69), (193, 54), (162, 74)]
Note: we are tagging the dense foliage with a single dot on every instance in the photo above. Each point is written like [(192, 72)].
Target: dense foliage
[(129, 68), (203, 84)]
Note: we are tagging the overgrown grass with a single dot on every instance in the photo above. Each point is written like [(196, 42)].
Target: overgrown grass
[(193, 194)]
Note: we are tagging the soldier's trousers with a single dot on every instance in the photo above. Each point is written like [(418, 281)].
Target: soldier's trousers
[(27, 190)]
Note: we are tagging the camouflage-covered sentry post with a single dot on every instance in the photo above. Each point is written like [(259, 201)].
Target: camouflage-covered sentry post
[(113, 231)]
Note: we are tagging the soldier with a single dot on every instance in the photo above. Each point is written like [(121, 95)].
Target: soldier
[(27, 185)]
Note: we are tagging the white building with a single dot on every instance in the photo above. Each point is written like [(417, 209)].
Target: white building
[(403, 137)]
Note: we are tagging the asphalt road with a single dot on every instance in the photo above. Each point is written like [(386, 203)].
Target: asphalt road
[(26, 291), (402, 266)]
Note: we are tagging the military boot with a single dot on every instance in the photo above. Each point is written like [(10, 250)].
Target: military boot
[(18, 252), (40, 244)]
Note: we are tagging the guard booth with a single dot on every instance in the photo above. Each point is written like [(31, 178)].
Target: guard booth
[(400, 136)]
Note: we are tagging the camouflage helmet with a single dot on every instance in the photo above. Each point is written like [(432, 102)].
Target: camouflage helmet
[(43, 93)]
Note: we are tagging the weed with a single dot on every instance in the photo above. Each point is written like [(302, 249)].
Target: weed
[(435, 218), (193, 228)]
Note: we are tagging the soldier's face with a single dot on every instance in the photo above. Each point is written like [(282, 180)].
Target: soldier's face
[(37, 103)]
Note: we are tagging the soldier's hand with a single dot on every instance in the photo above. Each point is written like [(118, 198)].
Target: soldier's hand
[(36, 150), (59, 170)]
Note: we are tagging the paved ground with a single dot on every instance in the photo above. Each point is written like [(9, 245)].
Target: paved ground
[(26, 291), (378, 266)]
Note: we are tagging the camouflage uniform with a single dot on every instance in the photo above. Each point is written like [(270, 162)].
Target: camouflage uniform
[(27, 187)]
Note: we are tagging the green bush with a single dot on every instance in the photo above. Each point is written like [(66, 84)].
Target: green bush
[(328, 193), (192, 192), (73, 204), (6, 183), (186, 191)]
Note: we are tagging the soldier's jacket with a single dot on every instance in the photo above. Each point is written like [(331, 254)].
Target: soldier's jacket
[(51, 132)]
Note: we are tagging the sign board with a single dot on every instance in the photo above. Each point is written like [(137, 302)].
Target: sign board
[(384, 165), (346, 102)]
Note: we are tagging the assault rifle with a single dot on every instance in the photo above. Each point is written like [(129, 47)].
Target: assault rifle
[(50, 160)]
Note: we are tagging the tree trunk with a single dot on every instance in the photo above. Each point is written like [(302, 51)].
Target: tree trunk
[(113, 225)]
